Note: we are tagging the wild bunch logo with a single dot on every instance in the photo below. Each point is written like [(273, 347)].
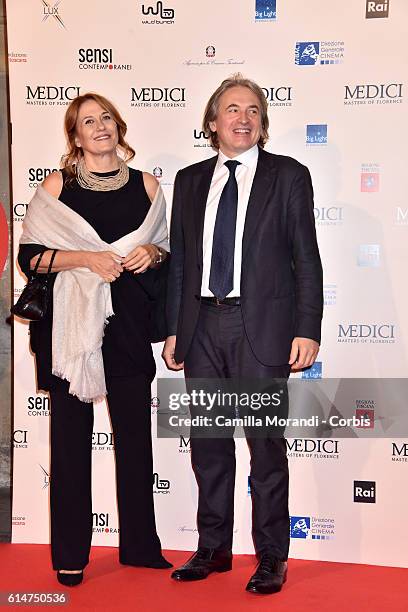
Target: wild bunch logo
[(158, 14), (200, 139), (159, 485)]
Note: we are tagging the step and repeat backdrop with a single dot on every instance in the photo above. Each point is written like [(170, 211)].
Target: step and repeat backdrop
[(334, 75)]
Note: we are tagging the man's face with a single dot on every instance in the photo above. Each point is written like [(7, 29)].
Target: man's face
[(238, 122)]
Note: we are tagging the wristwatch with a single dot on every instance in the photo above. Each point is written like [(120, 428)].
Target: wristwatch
[(160, 256)]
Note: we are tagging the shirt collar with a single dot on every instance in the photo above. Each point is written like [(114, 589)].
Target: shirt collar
[(248, 158)]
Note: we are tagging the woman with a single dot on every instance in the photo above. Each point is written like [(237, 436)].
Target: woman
[(107, 223)]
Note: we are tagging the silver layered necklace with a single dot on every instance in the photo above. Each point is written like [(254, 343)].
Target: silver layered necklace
[(89, 180)]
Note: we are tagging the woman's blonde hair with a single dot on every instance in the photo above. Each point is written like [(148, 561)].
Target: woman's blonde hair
[(211, 110), (75, 153)]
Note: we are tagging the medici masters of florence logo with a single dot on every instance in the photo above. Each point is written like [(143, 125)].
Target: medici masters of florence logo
[(360, 333), (399, 451), (50, 95), (313, 448), (281, 96), (362, 94), (20, 438), (158, 97)]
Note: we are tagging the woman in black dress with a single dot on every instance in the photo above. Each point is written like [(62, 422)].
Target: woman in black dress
[(97, 184)]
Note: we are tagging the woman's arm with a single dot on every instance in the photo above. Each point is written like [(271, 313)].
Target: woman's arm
[(107, 264), (146, 255)]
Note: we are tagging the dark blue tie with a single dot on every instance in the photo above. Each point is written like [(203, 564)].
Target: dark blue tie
[(222, 257)]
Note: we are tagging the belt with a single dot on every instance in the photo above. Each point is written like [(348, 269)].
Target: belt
[(231, 301)]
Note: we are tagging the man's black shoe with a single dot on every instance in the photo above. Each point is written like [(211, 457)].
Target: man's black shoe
[(269, 576), (204, 562)]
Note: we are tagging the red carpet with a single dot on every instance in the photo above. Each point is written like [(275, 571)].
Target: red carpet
[(312, 586)]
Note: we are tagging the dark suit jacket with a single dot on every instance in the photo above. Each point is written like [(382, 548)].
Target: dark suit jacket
[(281, 273)]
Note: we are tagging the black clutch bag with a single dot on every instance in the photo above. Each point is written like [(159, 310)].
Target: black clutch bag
[(33, 301)]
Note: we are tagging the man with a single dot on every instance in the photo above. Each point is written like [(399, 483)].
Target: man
[(244, 299)]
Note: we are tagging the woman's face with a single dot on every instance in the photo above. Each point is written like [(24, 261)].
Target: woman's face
[(96, 130)]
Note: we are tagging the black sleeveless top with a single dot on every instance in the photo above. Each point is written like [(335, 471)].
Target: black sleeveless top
[(126, 344)]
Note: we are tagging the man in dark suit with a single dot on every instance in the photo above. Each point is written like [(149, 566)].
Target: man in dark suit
[(244, 299)]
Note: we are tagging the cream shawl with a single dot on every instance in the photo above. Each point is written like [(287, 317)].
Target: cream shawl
[(82, 299)]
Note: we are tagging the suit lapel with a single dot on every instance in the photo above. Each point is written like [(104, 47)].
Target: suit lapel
[(264, 180), (202, 183)]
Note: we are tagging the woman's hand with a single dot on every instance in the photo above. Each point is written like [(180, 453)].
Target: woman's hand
[(141, 258), (105, 263)]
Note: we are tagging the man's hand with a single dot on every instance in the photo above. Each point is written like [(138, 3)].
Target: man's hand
[(303, 354), (168, 354)]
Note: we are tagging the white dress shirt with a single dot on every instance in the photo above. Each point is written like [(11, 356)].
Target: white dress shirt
[(244, 174)]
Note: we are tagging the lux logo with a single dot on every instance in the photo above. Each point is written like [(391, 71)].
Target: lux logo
[(52, 11)]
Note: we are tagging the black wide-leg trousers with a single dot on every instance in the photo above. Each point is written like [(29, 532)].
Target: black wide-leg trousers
[(71, 452), (220, 349)]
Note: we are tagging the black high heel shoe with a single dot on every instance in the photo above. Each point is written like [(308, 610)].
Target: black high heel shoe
[(70, 580)]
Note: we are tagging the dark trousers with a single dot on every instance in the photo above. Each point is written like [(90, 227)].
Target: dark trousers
[(71, 450), (220, 349)]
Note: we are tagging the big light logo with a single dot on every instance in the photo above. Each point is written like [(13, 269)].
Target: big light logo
[(265, 10)]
